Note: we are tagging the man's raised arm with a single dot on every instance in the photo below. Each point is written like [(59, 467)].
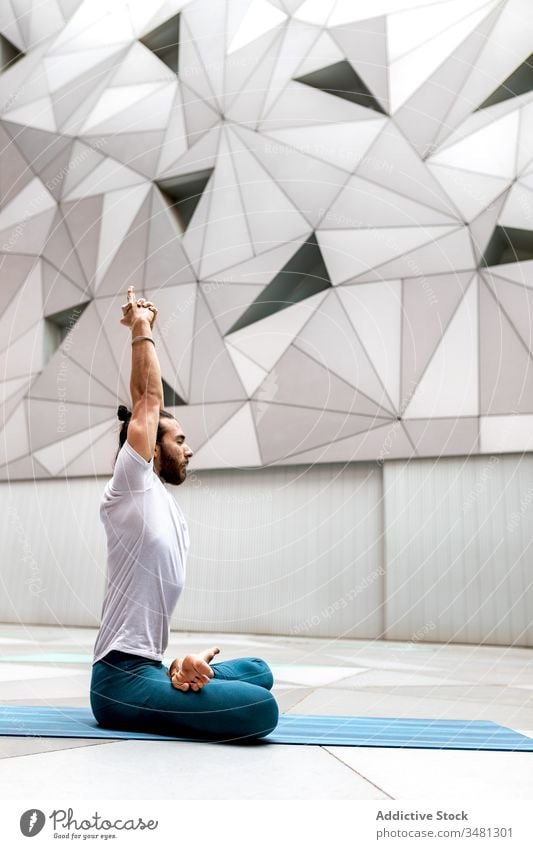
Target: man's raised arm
[(145, 385)]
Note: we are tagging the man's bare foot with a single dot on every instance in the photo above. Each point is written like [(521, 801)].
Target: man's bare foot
[(193, 672)]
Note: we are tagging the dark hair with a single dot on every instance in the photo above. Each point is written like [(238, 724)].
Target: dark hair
[(124, 415)]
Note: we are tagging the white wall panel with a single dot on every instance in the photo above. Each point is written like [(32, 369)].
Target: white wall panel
[(295, 551), (285, 551), (459, 541), (53, 552), (277, 551)]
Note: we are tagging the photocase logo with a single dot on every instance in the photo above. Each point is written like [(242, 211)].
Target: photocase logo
[(32, 822)]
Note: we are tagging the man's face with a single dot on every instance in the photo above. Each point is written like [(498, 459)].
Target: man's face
[(172, 454)]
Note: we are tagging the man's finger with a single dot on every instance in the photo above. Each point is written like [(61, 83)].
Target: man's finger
[(174, 666), (131, 295), (203, 668)]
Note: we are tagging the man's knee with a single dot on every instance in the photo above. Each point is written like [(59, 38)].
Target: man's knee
[(265, 716), (261, 673)]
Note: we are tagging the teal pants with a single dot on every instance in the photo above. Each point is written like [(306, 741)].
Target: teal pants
[(133, 693)]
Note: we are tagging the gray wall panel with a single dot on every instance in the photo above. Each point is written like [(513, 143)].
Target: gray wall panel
[(459, 536), (53, 552), (285, 552), (290, 551), (277, 551)]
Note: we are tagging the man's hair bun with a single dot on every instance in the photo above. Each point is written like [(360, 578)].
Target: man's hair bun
[(123, 413)]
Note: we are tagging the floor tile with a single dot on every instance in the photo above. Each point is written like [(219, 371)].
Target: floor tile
[(288, 696), (508, 708), (11, 641), (21, 672), (53, 700), (53, 688), (432, 774), (395, 678), (49, 657), (200, 641), (311, 676), (473, 664), (185, 771), (16, 747)]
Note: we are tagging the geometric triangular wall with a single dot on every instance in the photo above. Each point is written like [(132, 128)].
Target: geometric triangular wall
[(164, 42), (170, 396), (9, 54), (517, 83), (342, 80), (303, 276), (332, 211), (508, 244), (58, 326), (183, 193)]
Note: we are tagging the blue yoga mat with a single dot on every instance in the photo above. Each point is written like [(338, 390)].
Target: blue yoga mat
[(384, 732)]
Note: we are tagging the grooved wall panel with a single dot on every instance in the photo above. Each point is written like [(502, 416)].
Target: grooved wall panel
[(301, 551), (459, 539), (277, 551), (285, 551)]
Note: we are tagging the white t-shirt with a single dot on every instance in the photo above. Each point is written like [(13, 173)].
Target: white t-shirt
[(147, 544)]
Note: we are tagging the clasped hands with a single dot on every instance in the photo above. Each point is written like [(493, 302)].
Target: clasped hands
[(193, 671), (135, 309)]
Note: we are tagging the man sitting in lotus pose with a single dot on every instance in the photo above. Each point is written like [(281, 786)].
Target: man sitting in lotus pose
[(147, 542)]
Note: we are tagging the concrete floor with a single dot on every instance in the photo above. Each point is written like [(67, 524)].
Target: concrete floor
[(52, 665)]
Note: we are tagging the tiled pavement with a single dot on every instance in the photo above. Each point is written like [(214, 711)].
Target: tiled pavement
[(51, 665)]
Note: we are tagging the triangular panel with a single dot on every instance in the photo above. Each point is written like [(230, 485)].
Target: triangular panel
[(427, 307), (302, 277), (284, 431), (517, 83), (184, 192), (235, 445), (375, 312), (347, 358), (364, 43), (508, 244), (9, 54), (506, 365), (385, 442), (342, 80), (164, 41), (201, 421), (213, 375), (265, 341), (450, 384)]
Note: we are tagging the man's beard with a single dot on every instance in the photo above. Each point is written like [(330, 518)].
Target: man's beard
[(170, 471)]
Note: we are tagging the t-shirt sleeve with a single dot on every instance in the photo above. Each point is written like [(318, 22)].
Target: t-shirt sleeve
[(132, 473)]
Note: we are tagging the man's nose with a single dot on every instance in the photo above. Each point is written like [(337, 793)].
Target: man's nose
[(189, 452)]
